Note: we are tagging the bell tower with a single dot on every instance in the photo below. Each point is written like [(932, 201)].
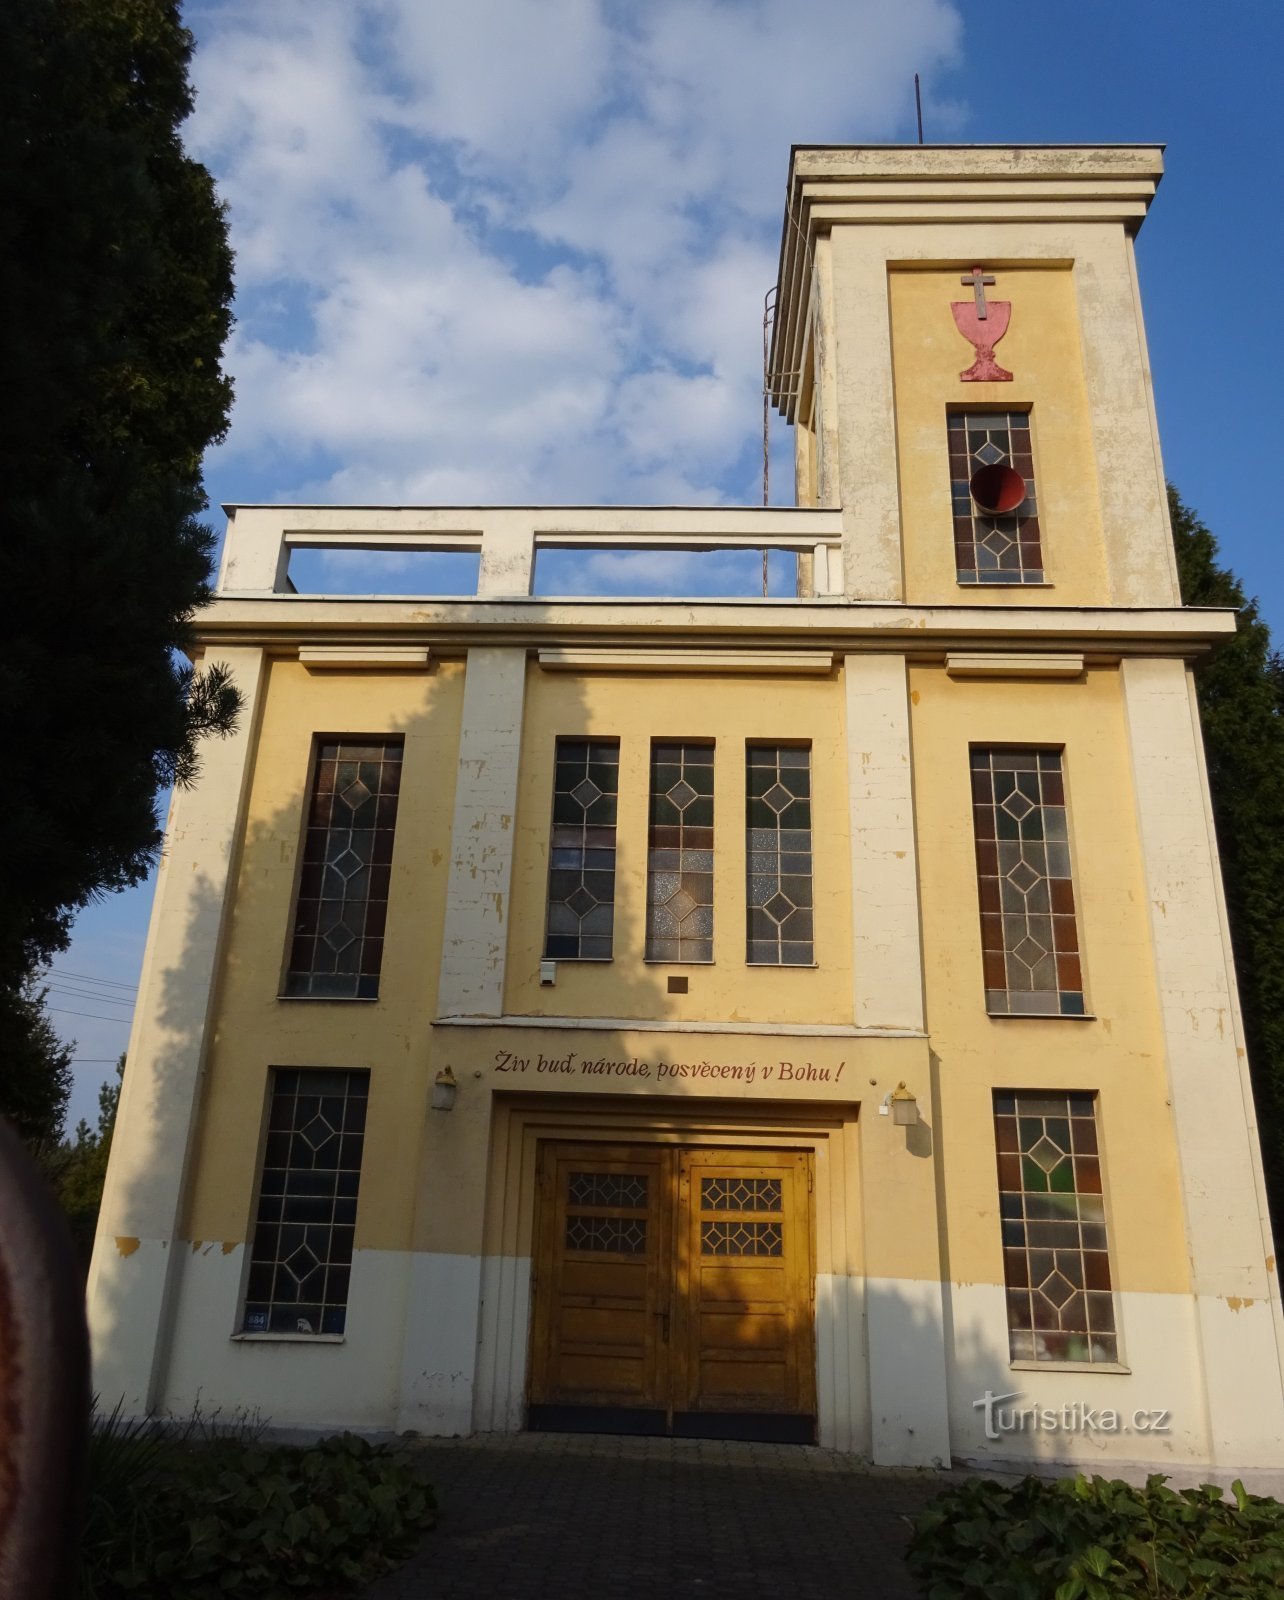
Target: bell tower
[(959, 344), (960, 347)]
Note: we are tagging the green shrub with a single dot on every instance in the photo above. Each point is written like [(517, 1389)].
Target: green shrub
[(1098, 1539), (205, 1516), (124, 1464)]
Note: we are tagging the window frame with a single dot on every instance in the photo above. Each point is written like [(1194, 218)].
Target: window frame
[(252, 1263), (1060, 1012), (806, 746), (1094, 1156), (959, 412), (588, 740), (681, 960), (288, 970)]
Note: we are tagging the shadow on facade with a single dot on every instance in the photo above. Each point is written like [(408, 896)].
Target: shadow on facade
[(169, 1275)]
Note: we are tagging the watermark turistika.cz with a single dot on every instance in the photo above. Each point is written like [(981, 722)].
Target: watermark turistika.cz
[(1004, 1415)]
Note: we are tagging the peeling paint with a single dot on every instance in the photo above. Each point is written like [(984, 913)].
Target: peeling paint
[(915, 697), (1238, 1302), (196, 1245), (229, 1245), (126, 1244)]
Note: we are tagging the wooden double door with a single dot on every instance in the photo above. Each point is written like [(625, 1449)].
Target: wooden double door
[(673, 1292)]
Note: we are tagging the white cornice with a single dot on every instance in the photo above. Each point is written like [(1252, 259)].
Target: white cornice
[(920, 632)]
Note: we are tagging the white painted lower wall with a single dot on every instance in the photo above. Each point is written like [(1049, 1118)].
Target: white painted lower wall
[(439, 1353), (908, 1409), (407, 1359), (439, 1343), (303, 1382), (125, 1301), (1241, 1364), (1160, 1349)]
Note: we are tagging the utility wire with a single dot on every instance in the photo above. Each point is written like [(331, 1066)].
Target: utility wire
[(62, 991), (85, 977), (91, 994), (96, 1016)]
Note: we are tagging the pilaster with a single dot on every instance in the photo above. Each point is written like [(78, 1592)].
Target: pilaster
[(1227, 1228), (133, 1276), (481, 849), (854, 304), (1125, 436), (887, 967)]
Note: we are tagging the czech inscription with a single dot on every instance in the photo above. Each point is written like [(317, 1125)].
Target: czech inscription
[(795, 1075)]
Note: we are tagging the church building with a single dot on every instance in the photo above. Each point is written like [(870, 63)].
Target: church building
[(805, 1018)]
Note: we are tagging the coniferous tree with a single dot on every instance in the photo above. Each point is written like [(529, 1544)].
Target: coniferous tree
[(1241, 702), (116, 279), (79, 1167), (36, 1066)]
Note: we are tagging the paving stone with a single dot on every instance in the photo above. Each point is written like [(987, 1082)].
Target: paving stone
[(586, 1517)]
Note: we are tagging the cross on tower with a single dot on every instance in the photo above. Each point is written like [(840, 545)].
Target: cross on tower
[(977, 280)]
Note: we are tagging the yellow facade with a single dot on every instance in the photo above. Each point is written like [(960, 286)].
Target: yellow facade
[(1043, 351), (833, 1122), (1119, 1046), (253, 1026), (733, 712)]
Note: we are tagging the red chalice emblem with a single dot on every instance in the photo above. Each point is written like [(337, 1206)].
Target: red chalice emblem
[(982, 323)]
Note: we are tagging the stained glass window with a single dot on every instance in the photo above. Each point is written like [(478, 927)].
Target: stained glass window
[(342, 904), (679, 877), (778, 829), (1029, 937), (993, 546), (581, 859), (1056, 1261), (301, 1254)]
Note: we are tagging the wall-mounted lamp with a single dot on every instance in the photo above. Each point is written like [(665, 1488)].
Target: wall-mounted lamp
[(548, 972), (901, 1105), (444, 1088)]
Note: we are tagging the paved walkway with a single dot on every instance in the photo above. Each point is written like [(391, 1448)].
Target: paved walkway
[(578, 1517)]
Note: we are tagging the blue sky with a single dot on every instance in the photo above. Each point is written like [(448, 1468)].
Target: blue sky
[(516, 251)]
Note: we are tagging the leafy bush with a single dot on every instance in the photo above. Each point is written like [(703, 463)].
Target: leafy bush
[(1098, 1539), (204, 1515)]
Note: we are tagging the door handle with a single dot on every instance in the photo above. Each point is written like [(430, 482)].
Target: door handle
[(664, 1325)]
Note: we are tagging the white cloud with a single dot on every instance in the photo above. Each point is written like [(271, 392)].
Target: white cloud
[(516, 250), (506, 82)]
